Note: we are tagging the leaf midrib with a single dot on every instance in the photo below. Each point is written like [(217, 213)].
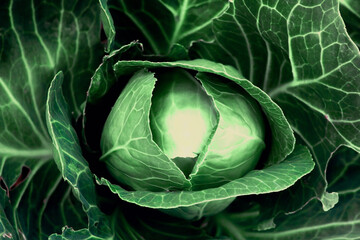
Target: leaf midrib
[(45, 152), (180, 22)]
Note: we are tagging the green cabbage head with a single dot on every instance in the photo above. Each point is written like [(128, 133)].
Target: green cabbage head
[(188, 137), (211, 138)]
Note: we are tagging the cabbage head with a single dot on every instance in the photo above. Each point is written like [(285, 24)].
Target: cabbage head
[(183, 136)]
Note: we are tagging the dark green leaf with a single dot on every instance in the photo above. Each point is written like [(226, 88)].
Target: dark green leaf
[(105, 73), (69, 159), (36, 39), (34, 207), (161, 24), (341, 222), (311, 68)]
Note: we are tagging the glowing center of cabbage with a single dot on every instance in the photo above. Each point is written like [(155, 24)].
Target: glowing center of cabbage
[(182, 117), (188, 130)]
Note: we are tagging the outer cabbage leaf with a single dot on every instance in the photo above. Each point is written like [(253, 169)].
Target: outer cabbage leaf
[(130, 51), (72, 165), (271, 179)]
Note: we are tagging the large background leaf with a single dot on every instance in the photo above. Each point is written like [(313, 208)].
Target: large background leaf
[(341, 222), (38, 208), (311, 68), (36, 39), (161, 24), (238, 42)]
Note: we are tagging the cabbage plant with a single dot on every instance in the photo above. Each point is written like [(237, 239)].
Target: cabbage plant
[(185, 119)]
